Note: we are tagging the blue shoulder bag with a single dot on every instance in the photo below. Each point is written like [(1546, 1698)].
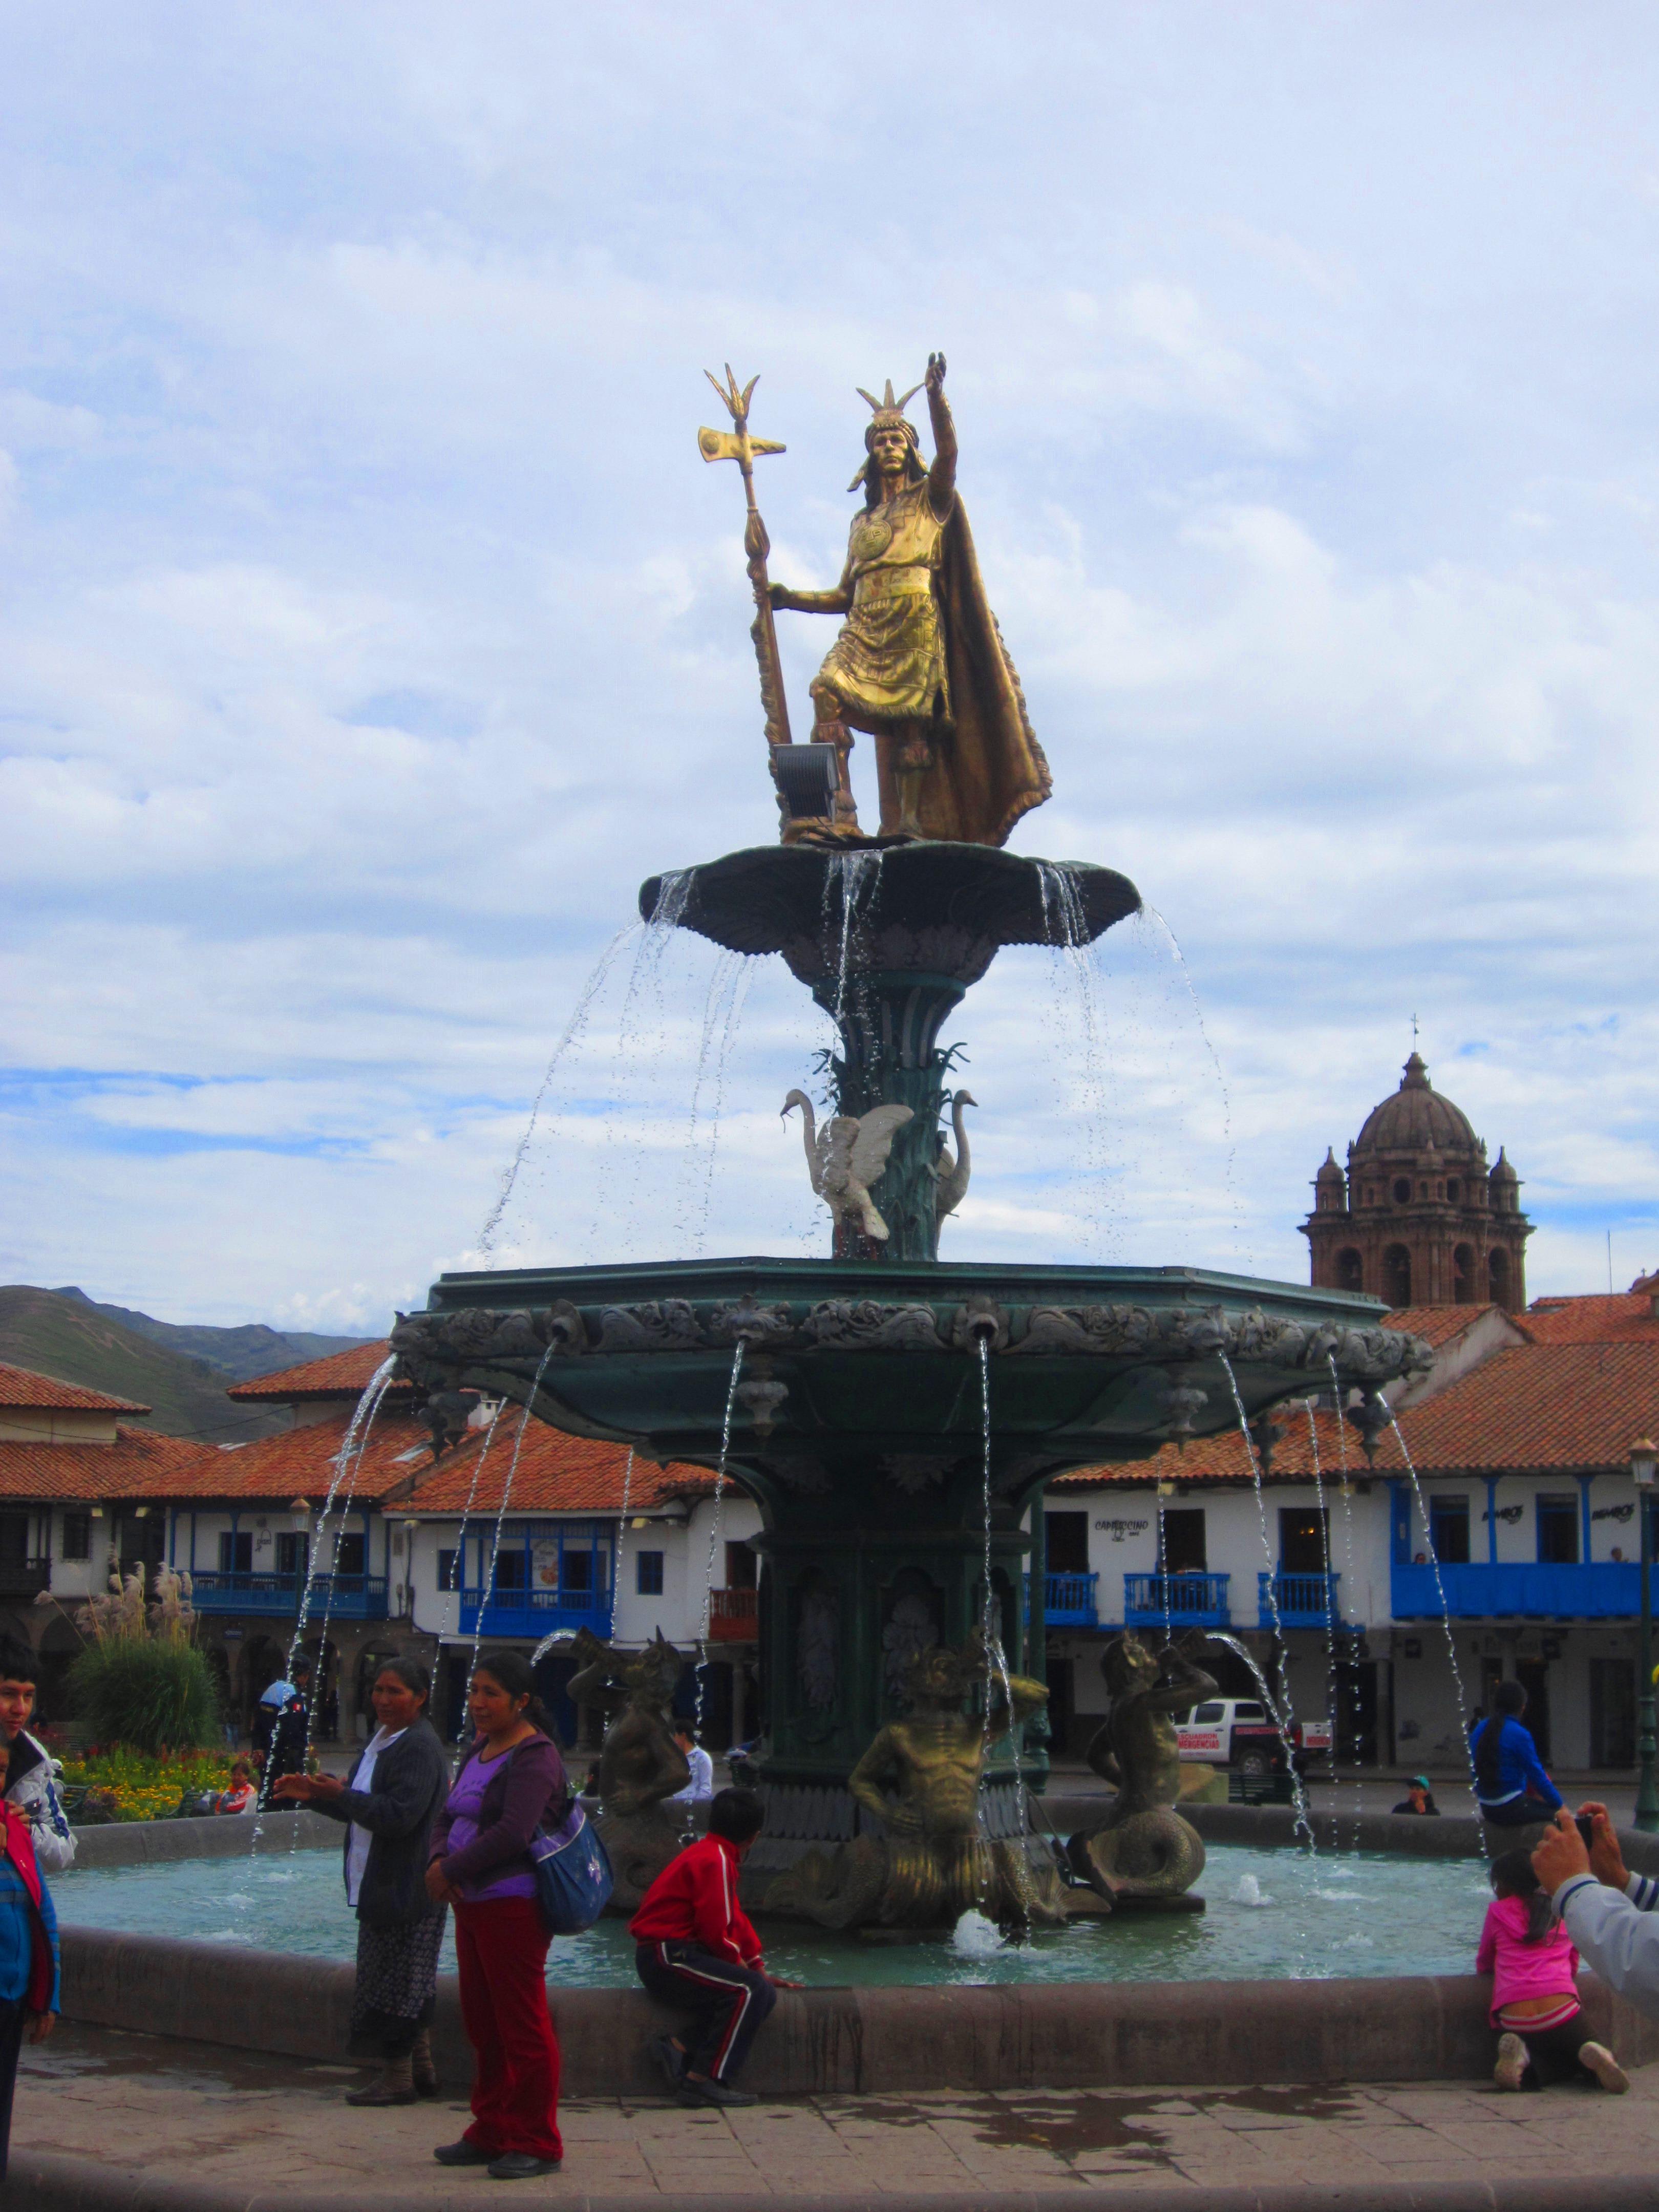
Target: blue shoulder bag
[(573, 1874)]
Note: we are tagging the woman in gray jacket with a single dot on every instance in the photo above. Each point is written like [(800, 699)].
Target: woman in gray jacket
[(399, 1781)]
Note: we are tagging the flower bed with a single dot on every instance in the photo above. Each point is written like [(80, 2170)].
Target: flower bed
[(124, 1784)]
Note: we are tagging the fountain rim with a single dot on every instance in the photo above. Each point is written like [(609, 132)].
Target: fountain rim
[(936, 1279), (765, 898)]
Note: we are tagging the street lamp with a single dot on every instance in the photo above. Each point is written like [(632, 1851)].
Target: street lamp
[(1644, 1468)]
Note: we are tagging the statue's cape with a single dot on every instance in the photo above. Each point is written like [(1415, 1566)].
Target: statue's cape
[(992, 770)]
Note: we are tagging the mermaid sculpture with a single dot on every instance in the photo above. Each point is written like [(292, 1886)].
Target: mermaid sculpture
[(1143, 1848), (641, 1765)]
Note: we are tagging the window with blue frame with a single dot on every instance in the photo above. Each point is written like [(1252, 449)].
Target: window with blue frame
[(512, 1569), (351, 1555), (449, 1570), (647, 1573), (236, 1551), (1558, 1531), (293, 1551), (1449, 1530)]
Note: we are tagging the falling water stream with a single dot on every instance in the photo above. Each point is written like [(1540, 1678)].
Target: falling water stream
[(1346, 1492), (1280, 1707), (486, 1578), (361, 1420), (996, 1656), (466, 1509), (715, 1525), (1445, 1609), (1066, 928), (1331, 1611), (573, 1029)]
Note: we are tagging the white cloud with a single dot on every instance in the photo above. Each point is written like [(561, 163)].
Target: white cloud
[(370, 626)]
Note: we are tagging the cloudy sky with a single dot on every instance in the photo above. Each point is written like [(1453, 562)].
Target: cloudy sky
[(370, 626)]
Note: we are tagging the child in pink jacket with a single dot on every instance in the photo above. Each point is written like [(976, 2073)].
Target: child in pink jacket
[(1535, 1988)]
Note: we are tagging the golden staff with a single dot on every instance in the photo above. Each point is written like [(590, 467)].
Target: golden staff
[(736, 445)]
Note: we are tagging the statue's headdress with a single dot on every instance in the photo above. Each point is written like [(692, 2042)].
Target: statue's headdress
[(888, 413)]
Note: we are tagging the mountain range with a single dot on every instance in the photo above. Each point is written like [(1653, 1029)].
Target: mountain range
[(182, 1369)]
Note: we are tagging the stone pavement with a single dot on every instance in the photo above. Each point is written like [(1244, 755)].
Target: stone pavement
[(188, 2116)]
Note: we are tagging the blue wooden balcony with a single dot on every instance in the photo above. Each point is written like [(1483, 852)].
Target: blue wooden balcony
[(1303, 1601), (342, 1597), (1069, 1600), (1520, 1589), (1182, 1600), (537, 1612)]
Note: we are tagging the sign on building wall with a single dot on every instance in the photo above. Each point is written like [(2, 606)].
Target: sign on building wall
[(544, 1562)]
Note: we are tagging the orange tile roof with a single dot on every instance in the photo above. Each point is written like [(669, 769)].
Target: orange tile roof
[(22, 1386), (1556, 1408), (138, 1464), (1625, 1318), (556, 1473), (1436, 1325), (1224, 1458), (342, 1374)]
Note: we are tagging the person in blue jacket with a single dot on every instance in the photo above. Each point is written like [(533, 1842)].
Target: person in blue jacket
[(1511, 1785)]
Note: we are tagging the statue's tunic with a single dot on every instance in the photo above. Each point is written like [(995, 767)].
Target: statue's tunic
[(888, 665), (920, 660)]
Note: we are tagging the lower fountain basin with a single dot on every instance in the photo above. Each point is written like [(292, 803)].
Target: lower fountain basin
[(1352, 1915)]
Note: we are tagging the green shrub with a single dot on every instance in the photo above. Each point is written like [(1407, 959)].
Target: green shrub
[(150, 1692)]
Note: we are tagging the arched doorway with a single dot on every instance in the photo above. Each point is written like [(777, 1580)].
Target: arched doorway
[(1350, 1270), (1498, 1277), (1463, 1275), (1397, 1275)]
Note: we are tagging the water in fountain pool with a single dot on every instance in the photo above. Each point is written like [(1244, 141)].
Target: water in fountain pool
[(1370, 1915)]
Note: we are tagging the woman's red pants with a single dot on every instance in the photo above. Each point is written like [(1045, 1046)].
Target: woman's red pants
[(501, 1945)]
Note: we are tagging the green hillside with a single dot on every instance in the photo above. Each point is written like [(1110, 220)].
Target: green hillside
[(238, 1353), (70, 1337)]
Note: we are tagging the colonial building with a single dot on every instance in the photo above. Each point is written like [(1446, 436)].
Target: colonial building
[(1418, 1218)]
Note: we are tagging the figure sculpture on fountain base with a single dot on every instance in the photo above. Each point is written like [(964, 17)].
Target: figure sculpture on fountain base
[(641, 1765), (1143, 1848), (919, 1782)]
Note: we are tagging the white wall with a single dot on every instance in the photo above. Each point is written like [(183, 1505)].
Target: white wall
[(678, 1612)]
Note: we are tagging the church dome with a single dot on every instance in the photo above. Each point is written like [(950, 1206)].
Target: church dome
[(1415, 1118)]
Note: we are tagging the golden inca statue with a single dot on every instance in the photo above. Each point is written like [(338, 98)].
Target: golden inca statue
[(919, 663)]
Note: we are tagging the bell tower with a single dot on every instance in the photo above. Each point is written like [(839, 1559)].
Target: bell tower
[(1418, 1219)]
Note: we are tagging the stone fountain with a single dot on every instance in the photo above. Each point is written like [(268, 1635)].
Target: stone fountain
[(895, 1414)]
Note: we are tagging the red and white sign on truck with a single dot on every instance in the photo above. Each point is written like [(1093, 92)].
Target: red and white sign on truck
[(1240, 1732)]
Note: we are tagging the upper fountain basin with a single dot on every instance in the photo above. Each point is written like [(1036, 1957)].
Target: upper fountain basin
[(858, 1357), (939, 910)]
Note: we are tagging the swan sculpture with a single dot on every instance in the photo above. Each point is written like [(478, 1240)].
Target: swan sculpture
[(846, 1156), (953, 1174)]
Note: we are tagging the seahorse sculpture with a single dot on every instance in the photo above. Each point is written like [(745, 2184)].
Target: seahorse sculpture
[(1143, 1848)]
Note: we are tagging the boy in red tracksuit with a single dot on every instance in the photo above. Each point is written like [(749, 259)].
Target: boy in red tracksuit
[(697, 1951)]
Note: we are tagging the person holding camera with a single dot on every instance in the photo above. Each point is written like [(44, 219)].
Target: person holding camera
[(1609, 1912)]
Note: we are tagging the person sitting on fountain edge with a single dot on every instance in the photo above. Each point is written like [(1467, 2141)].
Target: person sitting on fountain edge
[(698, 1953), (1419, 1798), (700, 1787), (1511, 1786)]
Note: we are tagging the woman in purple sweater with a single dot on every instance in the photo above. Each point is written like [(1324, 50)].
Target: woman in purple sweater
[(511, 1782)]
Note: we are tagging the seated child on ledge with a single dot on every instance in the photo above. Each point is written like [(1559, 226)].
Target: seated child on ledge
[(698, 1951), (1535, 1988)]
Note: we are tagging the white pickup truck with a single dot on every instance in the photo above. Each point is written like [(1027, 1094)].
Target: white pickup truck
[(1240, 1732)]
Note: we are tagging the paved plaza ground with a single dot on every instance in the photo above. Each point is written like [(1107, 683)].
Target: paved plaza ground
[(187, 2114)]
